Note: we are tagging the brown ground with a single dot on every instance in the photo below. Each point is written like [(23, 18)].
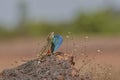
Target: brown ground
[(54, 67), (17, 51)]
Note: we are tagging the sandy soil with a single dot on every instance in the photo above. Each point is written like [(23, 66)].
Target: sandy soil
[(17, 51)]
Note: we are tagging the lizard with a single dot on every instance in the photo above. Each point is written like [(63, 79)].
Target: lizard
[(46, 50)]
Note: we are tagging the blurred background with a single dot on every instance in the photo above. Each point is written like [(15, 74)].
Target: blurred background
[(36, 18), (24, 24)]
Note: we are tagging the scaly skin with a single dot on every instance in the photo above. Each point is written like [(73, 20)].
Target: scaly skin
[(47, 47)]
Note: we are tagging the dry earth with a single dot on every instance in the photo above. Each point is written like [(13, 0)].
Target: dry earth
[(17, 51)]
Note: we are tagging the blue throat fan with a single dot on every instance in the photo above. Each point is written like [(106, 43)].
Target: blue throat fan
[(56, 42)]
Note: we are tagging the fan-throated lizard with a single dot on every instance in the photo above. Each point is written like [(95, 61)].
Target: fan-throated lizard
[(46, 50)]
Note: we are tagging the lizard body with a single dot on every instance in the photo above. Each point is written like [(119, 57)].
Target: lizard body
[(47, 47)]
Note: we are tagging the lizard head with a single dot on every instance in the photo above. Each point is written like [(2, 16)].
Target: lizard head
[(50, 37)]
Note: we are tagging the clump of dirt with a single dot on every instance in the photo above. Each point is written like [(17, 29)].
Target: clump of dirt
[(54, 67)]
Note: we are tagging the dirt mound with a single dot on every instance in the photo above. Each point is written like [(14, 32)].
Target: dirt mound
[(49, 68)]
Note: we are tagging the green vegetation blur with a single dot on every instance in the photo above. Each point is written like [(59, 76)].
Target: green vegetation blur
[(104, 22)]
